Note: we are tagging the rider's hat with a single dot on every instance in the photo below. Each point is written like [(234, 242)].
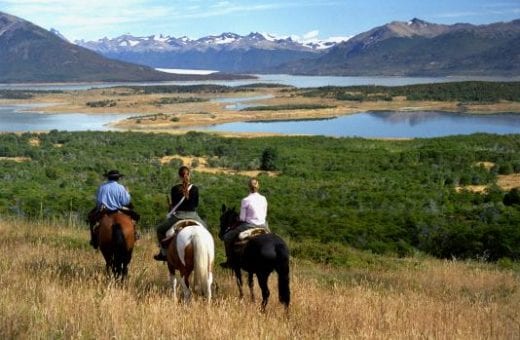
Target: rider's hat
[(113, 175)]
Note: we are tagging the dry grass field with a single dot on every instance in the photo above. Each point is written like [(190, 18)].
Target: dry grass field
[(52, 286)]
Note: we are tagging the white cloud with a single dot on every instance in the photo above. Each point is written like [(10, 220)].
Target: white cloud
[(311, 35), (84, 19)]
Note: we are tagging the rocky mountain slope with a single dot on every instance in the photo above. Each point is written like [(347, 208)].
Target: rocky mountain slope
[(419, 48), (29, 53)]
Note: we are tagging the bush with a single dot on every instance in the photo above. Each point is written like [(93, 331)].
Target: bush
[(102, 103), (512, 197), (505, 169), (268, 160)]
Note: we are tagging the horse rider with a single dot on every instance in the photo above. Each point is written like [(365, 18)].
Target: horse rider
[(110, 197), (253, 213), (184, 203)]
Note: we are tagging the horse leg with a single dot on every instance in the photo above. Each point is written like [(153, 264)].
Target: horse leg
[(250, 284), (262, 282), (110, 266), (238, 277), (173, 279), (186, 288), (208, 283), (126, 262)]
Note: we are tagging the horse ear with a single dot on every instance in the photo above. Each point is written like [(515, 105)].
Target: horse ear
[(223, 208)]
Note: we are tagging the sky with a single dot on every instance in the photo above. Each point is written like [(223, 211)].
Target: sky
[(306, 19)]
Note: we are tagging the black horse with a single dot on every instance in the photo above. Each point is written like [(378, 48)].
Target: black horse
[(261, 255)]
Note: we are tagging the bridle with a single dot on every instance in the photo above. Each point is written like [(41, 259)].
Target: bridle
[(233, 225)]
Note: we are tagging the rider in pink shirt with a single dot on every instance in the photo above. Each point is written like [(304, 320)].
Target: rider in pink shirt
[(253, 209), (253, 213)]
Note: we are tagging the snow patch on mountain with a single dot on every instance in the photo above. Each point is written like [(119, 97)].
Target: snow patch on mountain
[(267, 41), (310, 40)]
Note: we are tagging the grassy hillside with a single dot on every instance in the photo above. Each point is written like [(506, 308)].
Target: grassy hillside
[(53, 286), (393, 197)]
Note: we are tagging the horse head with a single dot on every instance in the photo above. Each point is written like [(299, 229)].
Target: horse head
[(229, 218)]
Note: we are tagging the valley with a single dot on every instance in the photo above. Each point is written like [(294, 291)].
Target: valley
[(178, 108)]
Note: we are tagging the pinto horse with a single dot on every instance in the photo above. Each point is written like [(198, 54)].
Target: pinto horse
[(116, 237), (191, 249), (261, 255)]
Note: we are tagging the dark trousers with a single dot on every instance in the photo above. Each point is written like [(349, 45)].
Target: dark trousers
[(231, 236)]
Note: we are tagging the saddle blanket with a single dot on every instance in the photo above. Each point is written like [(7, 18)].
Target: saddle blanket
[(246, 234), (178, 226)]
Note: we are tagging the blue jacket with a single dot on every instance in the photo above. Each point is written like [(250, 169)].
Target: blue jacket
[(112, 195)]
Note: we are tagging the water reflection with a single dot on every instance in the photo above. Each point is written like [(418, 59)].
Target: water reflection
[(385, 125), (14, 118)]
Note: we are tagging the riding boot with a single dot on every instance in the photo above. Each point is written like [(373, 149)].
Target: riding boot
[(93, 237), (229, 253), (161, 256)]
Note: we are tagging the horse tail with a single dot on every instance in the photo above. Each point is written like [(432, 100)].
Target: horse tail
[(282, 268), (201, 263), (120, 251)]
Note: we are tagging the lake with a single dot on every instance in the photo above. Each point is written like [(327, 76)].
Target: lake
[(384, 125), (14, 118), (292, 80)]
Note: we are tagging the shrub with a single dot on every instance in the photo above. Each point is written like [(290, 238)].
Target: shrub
[(512, 197), (268, 160)]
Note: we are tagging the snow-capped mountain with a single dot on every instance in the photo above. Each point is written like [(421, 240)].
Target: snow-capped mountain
[(29, 53), (227, 52), (162, 43)]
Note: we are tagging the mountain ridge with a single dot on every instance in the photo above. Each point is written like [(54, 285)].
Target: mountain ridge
[(419, 48), (227, 52), (29, 53), (399, 48)]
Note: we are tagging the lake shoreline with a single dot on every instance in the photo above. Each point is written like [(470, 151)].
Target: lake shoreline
[(176, 110)]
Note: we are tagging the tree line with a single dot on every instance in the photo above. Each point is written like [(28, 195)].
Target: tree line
[(391, 197)]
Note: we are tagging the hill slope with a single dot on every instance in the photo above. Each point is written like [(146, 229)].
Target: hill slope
[(29, 53)]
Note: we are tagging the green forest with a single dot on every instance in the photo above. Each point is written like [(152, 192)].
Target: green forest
[(466, 91), (331, 194)]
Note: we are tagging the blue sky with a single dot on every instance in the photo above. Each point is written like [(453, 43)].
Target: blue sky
[(94, 19)]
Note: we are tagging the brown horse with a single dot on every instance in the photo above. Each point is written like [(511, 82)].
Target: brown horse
[(192, 249), (116, 242)]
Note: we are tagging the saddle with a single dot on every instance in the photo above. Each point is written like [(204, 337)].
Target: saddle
[(245, 236), (97, 213), (175, 228)]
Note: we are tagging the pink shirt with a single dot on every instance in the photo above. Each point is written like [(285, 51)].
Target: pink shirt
[(253, 209)]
